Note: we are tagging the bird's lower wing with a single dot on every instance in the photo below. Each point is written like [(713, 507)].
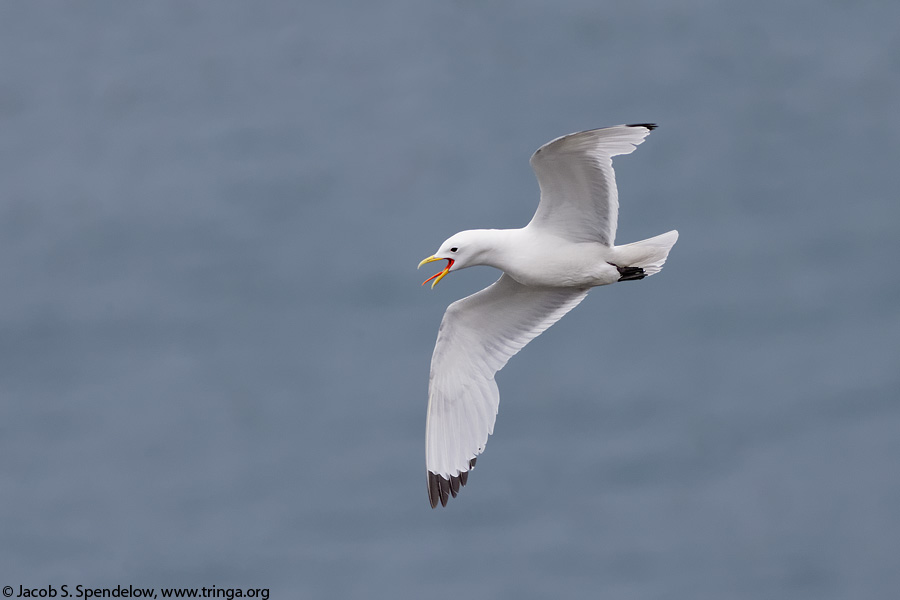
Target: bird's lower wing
[(478, 335)]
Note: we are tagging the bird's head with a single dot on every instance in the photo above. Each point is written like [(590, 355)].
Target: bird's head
[(460, 251)]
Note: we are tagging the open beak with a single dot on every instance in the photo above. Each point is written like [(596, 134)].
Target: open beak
[(437, 276)]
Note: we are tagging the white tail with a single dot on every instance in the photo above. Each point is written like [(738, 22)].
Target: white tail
[(649, 254)]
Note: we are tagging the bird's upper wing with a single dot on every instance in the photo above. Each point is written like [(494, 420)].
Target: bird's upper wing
[(478, 335), (579, 200)]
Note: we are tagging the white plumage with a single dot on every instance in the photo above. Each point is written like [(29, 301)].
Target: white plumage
[(549, 266)]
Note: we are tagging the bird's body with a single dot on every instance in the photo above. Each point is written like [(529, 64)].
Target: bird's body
[(549, 265), (522, 254)]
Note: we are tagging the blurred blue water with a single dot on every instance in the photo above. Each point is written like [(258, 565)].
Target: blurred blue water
[(214, 348)]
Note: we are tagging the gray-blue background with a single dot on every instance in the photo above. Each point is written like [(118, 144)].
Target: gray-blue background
[(214, 348)]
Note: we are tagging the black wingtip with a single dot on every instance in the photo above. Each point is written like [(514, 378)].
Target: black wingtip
[(440, 490), (445, 490), (434, 489), (650, 126)]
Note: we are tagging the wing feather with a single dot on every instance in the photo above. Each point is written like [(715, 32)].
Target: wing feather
[(477, 336), (579, 199)]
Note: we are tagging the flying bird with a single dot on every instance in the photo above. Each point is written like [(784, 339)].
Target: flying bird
[(548, 268)]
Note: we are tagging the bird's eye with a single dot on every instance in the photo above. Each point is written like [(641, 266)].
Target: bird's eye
[(453, 249)]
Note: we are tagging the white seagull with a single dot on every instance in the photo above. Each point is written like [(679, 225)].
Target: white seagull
[(548, 268)]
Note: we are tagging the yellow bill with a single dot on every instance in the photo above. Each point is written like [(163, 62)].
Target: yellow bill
[(440, 275)]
